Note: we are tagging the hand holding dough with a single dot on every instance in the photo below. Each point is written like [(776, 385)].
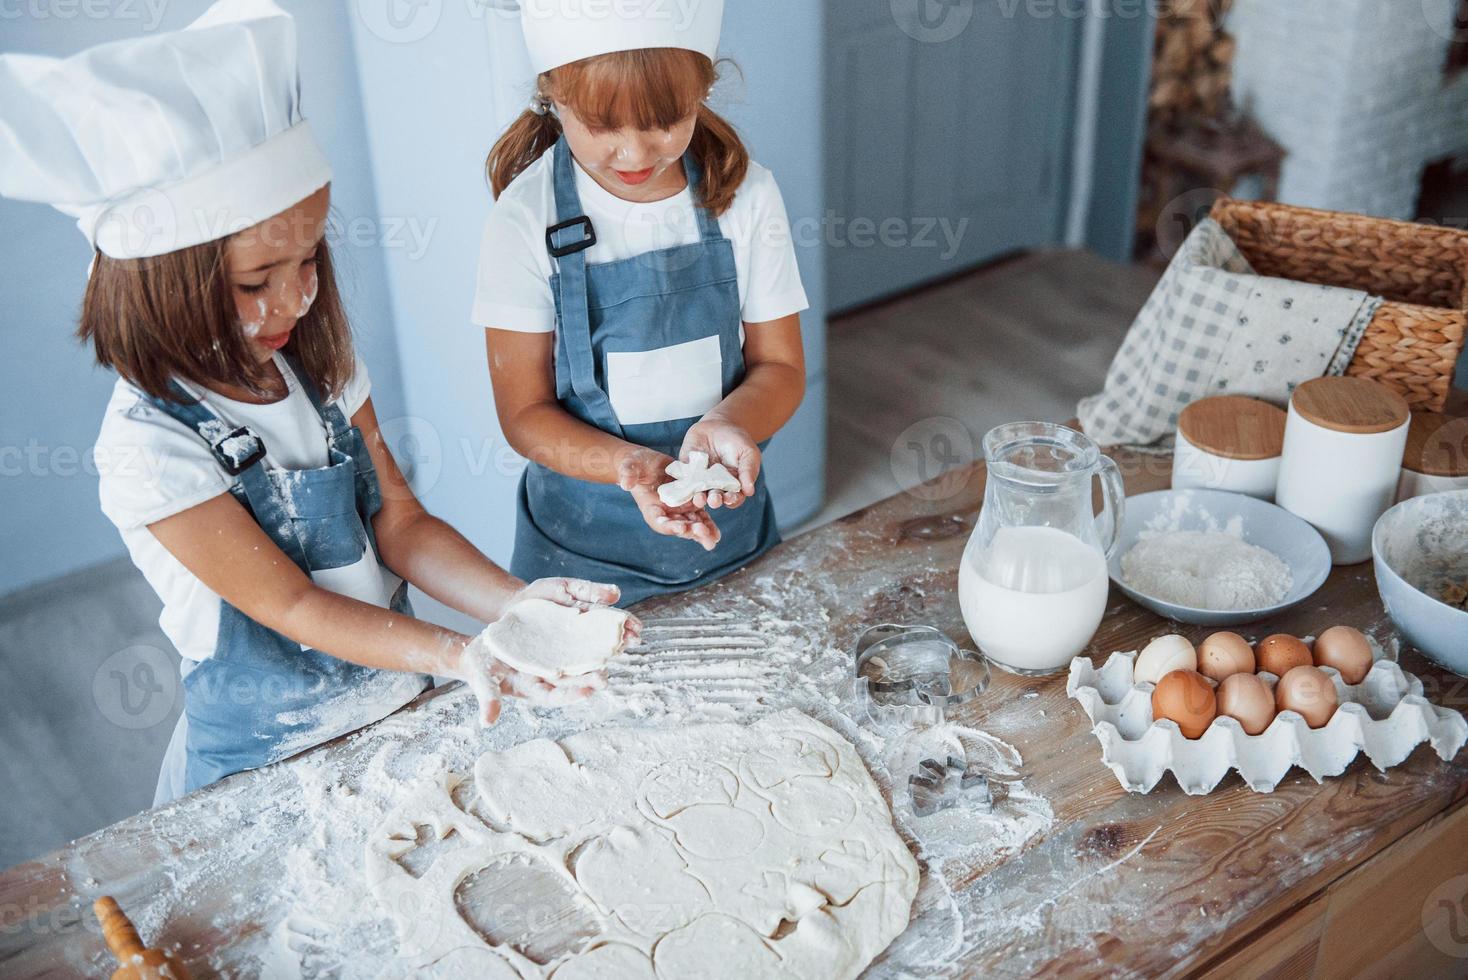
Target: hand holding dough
[(546, 639), (694, 477)]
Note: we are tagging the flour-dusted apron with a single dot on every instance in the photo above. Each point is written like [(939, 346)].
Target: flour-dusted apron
[(262, 697), (644, 347)]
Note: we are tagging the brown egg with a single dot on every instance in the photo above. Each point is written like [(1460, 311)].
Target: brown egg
[(1345, 649), (1224, 654), (1308, 691), (1281, 653), (1248, 700), (1185, 697)]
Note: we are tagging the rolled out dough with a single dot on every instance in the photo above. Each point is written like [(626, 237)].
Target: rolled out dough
[(550, 640), (705, 851), (695, 476)]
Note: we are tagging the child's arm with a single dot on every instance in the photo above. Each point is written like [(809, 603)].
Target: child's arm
[(430, 554), (220, 543), (521, 365), (773, 386)]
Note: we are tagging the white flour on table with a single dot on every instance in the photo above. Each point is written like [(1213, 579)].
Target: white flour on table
[(316, 916)]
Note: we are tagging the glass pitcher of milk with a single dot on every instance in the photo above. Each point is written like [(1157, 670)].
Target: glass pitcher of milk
[(1033, 583)]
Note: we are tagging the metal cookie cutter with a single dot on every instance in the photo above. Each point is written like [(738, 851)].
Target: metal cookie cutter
[(939, 785), (915, 671)]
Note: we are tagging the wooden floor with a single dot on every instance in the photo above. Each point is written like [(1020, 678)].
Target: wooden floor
[(927, 375), (1024, 339)]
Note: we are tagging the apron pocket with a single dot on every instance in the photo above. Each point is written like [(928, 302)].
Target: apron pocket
[(663, 385)]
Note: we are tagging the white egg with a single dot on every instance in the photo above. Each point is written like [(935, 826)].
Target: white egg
[(1162, 656)]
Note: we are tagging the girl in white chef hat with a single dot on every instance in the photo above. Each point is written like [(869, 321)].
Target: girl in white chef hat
[(641, 297), (270, 517)]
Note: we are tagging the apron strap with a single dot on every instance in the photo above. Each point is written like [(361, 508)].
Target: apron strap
[(568, 241), (241, 453), (340, 432), (332, 417), (708, 225)]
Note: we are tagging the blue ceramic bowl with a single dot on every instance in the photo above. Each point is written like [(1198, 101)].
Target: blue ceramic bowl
[(1419, 546), (1297, 544)]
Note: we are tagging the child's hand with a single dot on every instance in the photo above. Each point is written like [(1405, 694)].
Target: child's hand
[(640, 473), (579, 594), (726, 443), (490, 680)]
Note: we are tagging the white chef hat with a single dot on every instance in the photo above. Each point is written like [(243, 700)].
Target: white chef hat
[(558, 32), (163, 142)]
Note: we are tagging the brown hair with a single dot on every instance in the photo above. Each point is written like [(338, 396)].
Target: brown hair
[(653, 88), (172, 316)]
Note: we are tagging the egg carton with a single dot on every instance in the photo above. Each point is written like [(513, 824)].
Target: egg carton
[(1386, 716)]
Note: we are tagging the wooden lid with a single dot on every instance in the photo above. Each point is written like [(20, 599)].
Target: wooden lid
[(1234, 427), (1355, 405), (1437, 445)]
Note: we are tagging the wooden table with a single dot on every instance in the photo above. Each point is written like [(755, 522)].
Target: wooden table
[(1330, 878)]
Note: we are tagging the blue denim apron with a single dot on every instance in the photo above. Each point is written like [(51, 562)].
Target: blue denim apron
[(262, 697), (571, 527)]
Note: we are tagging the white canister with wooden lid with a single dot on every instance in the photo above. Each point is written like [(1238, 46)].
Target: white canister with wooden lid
[(1229, 442), (1343, 446), (1437, 455)]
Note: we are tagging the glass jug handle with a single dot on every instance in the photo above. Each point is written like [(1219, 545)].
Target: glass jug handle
[(1113, 493)]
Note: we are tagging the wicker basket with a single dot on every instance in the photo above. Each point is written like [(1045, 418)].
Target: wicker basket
[(1413, 343)]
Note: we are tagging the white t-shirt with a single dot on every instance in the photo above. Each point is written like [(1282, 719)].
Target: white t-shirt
[(153, 466), (514, 291)]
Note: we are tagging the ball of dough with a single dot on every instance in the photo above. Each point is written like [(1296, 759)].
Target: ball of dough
[(1248, 700), (1281, 653), (1309, 692), (1162, 656), (1345, 649), (1225, 654)]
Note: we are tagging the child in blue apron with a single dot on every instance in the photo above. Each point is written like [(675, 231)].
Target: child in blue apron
[(240, 455), (641, 300)]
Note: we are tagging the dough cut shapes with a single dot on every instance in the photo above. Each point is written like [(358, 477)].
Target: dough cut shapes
[(550, 640), (694, 477), (711, 851)]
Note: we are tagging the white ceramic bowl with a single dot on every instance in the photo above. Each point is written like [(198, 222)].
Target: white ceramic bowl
[(1264, 524), (1418, 546)]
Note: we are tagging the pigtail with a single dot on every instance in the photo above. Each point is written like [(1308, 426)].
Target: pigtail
[(722, 157), (523, 143)]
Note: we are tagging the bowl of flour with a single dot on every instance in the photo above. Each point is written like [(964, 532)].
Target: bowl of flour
[(1213, 558)]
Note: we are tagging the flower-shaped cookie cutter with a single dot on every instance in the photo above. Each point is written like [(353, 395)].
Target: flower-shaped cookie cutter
[(910, 674), (939, 785)]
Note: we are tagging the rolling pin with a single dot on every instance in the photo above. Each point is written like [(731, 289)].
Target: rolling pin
[(136, 962)]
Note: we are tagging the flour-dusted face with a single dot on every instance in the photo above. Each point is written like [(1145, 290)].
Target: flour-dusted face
[(638, 165), (272, 272)]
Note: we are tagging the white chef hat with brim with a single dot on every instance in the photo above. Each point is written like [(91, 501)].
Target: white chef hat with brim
[(160, 143), (558, 32)]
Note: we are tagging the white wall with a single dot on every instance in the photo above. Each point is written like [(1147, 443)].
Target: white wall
[(1355, 91), (438, 102), (51, 397)]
